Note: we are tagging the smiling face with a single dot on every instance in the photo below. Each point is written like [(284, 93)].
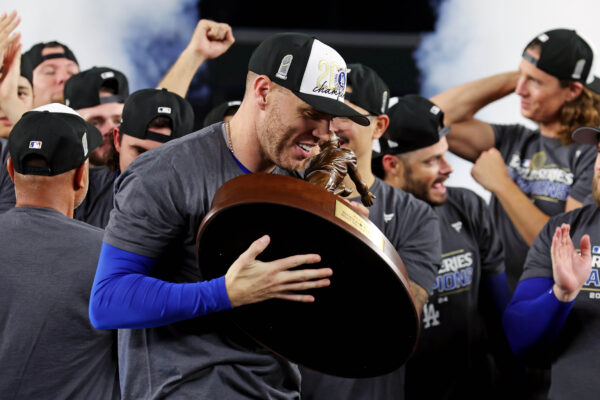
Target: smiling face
[(290, 130), (542, 95), (425, 171), (50, 76)]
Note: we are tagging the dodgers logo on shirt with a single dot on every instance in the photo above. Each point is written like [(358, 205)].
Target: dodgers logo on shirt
[(592, 285)]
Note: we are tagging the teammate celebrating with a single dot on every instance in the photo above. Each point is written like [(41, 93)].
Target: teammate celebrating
[(532, 174), (148, 278), (413, 159), (47, 262), (554, 310)]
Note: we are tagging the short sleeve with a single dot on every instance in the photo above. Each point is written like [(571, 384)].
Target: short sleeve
[(583, 173), (145, 217), (538, 263)]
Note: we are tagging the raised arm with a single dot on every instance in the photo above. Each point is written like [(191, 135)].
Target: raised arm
[(469, 136), (209, 40), (124, 295), (10, 103)]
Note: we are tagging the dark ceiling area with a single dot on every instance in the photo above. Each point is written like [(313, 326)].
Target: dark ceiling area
[(378, 36), (373, 15)]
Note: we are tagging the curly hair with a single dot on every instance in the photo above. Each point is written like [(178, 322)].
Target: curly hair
[(583, 111)]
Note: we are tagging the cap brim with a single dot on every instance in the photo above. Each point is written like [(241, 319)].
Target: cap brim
[(594, 86), (586, 135), (334, 108), (444, 131)]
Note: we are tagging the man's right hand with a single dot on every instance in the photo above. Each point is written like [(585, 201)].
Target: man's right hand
[(570, 269), (249, 280), (211, 39)]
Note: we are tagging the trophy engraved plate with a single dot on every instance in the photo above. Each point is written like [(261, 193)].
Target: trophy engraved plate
[(364, 324)]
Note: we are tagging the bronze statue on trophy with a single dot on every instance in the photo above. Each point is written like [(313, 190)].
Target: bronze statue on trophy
[(329, 168)]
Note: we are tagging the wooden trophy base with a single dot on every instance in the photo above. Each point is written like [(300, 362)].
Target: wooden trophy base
[(364, 324)]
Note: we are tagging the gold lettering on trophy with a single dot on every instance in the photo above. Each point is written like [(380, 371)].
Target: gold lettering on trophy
[(364, 226)]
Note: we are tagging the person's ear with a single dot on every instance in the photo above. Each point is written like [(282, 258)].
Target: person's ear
[(262, 87), (574, 90), (117, 138), (79, 180), (381, 122), (11, 169)]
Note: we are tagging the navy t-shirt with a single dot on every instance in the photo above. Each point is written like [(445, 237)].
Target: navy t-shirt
[(547, 173), (160, 200), (574, 370), (451, 324), (95, 208)]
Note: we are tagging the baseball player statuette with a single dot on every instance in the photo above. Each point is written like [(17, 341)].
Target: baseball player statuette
[(331, 165)]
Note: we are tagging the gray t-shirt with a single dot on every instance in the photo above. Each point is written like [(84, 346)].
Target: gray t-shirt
[(451, 324), (95, 208), (413, 228), (7, 188), (547, 173), (160, 201), (49, 348), (574, 371)]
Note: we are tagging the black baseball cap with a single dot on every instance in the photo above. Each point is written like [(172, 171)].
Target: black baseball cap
[(313, 71), (369, 91), (219, 113), (586, 135), (26, 70), (415, 123), (35, 58), (565, 55), (82, 90), (56, 133), (143, 106)]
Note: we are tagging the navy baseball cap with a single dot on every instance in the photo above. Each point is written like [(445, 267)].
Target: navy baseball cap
[(56, 133), (369, 91), (565, 55), (415, 123), (35, 58), (82, 89), (143, 106), (313, 71)]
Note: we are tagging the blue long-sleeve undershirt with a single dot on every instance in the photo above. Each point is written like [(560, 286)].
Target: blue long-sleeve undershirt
[(497, 288), (125, 296), (535, 316)]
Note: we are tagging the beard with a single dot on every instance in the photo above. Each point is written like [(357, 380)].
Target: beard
[(273, 139), (419, 189), (103, 153)]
